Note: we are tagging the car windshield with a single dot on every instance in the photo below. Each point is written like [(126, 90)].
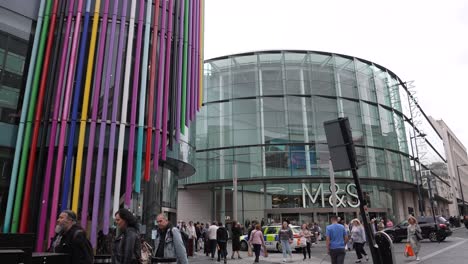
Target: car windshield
[(296, 229), (441, 220)]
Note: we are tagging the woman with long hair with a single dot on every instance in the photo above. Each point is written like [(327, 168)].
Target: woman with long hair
[(256, 240), (414, 231), (127, 247), (307, 235), (358, 236), (286, 238)]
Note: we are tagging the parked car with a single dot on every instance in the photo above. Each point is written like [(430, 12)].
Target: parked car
[(398, 232), (270, 235)]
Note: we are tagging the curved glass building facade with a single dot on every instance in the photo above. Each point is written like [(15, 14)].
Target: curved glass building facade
[(261, 126)]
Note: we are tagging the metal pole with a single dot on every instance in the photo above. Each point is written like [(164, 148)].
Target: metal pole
[(461, 190), (431, 200), (365, 219), (420, 202), (332, 187), (234, 193)]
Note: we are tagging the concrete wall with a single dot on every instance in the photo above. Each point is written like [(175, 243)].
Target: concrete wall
[(194, 205)]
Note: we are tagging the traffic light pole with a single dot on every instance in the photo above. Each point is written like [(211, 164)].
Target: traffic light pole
[(365, 220)]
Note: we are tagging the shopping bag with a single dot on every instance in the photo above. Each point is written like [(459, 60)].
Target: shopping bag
[(249, 251), (264, 252), (302, 242), (409, 250)]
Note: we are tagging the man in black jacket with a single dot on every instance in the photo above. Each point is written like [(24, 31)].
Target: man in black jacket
[(71, 239), (221, 238)]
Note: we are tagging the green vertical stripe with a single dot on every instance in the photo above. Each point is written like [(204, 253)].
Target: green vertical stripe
[(184, 68), (29, 120)]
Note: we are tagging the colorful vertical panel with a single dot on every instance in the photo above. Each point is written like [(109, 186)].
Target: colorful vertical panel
[(166, 74)]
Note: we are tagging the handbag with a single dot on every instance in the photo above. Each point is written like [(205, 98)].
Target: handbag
[(418, 235), (408, 250)]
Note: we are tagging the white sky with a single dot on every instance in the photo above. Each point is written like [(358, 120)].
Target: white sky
[(421, 41)]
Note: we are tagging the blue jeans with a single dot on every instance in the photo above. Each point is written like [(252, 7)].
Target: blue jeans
[(286, 248)]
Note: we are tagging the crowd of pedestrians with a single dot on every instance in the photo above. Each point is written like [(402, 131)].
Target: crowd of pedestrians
[(182, 241)]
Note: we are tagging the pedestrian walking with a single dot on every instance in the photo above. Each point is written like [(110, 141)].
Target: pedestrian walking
[(256, 241), (212, 237), (206, 239), (168, 242), (221, 238), (71, 239), (307, 235), (414, 235), (127, 246), (192, 236), (198, 240), (286, 238), (358, 237), (236, 234), (336, 240)]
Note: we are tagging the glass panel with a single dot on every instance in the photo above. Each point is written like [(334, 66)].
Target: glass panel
[(245, 120), (389, 135), (296, 116), (346, 78), (371, 124), (394, 166), (352, 111), (275, 130), (272, 81), (244, 82), (322, 80)]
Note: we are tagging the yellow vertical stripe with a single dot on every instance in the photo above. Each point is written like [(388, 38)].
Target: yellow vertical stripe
[(84, 108)]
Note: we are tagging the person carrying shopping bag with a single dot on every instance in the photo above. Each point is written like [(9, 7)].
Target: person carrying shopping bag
[(306, 234), (414, 235), (286, 238), (256, 240)]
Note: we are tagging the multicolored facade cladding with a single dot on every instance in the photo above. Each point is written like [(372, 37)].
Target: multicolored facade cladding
[(107, 90)]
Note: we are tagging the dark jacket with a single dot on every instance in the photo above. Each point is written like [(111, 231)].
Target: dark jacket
[(222, 234), (127, 247), (74, 243)]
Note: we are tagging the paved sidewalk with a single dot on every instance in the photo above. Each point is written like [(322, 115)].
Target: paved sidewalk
[(273, 257)]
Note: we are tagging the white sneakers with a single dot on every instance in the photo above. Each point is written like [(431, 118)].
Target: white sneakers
[(284, 260), (417, 259)]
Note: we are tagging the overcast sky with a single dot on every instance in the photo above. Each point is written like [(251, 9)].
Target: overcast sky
[(421, 41)]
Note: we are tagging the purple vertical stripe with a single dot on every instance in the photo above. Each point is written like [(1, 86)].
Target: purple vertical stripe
[(197, 59), (136, 74), (115, 107), (95, 105), (198, 56), (102, 132), (166, 80), (57, 180), (159, 98), (179, 69), (53, 131), (192, 75), (189, 67), (63, 121)]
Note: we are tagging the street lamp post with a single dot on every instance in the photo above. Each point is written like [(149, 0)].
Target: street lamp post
[(461, 188)]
